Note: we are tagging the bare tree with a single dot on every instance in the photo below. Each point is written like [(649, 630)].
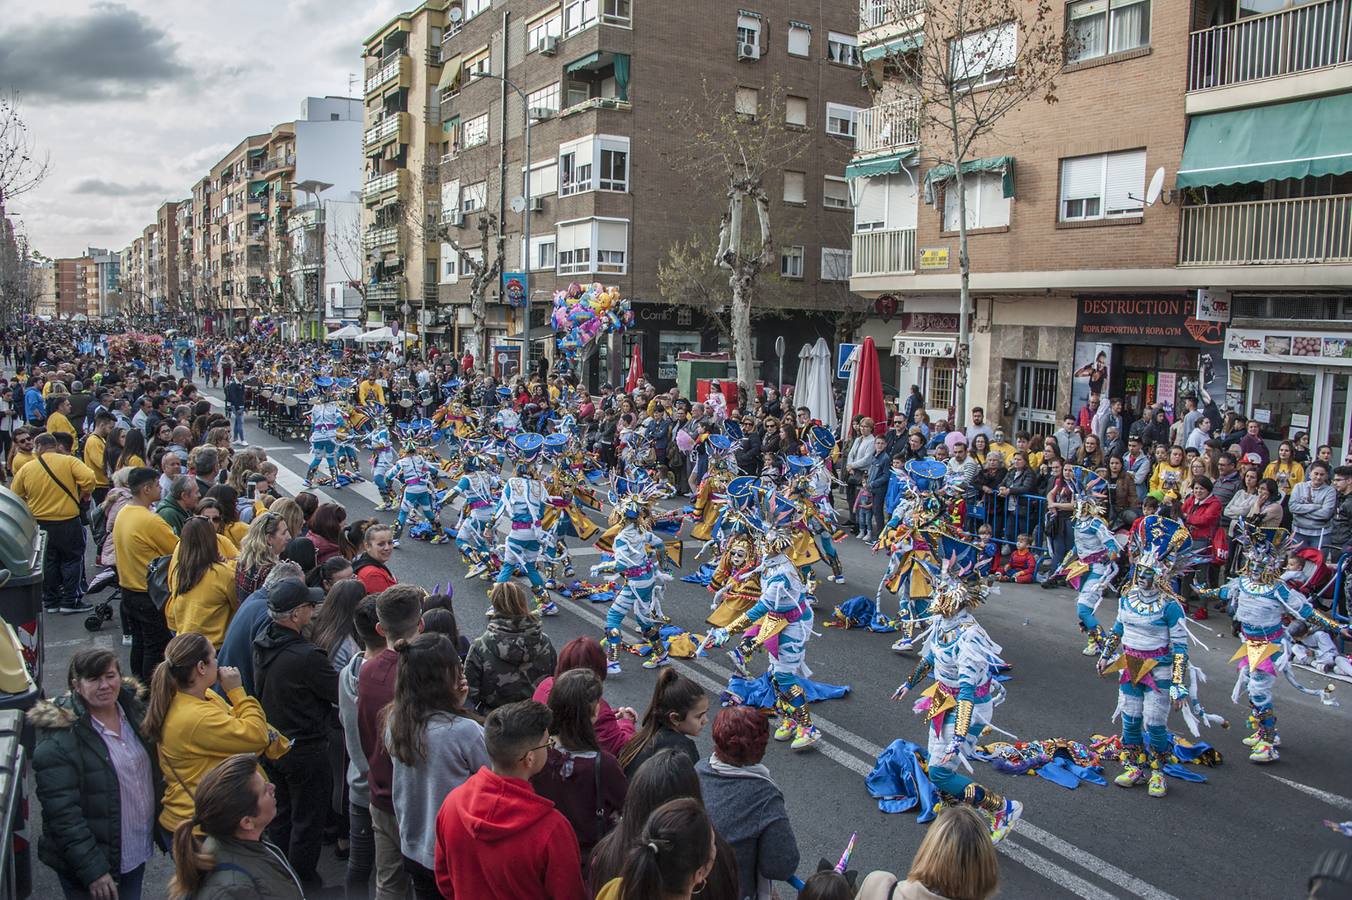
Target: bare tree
[(734, 150), (689, 276), (980, 59), (22, 166)]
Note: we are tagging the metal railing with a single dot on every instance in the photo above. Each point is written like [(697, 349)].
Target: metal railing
[(1009, 517), (596, 103), (279, 162), (388, 182), (384, 290), (379, 237), (888, 126), (1267, 232), (884, 252), (1298, 39), (877, 13), (388, 126), (385, 74)]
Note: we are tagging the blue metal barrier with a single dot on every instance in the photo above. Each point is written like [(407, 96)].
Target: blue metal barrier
[(1028, 515)]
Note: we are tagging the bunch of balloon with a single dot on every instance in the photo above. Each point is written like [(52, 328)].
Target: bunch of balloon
[(583, 314)]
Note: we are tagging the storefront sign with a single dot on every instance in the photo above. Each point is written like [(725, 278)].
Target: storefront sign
[(1166, 389), (910, 344), (1144, 320), (666, 371), (933, 258), (1213, 306), (886, 306), (1299, 347), (928, 322), (514, 289)]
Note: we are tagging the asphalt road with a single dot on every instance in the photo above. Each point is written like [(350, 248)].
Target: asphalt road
[(1250, 831)]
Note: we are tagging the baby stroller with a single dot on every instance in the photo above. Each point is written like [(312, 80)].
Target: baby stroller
[(103, 610), (1315, 574)]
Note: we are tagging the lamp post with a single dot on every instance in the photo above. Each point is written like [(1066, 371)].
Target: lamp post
[(525, 212)]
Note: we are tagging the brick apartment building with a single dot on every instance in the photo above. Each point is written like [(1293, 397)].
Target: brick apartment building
[(1232, 99), (603, 80), (70, 287)]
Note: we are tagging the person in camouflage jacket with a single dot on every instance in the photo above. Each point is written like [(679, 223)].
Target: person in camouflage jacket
[(512, 656)]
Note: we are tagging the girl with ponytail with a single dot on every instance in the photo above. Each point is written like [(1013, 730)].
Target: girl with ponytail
[(673, 858), (234, 804), (194, 728), (678, 712)]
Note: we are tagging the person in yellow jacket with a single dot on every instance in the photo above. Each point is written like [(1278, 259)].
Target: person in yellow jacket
[(1168, 476), (140, 536), (202, 593), (52, 486), (96, 454), (368, 391), (193, 728), (58, 420), (1284, 469)]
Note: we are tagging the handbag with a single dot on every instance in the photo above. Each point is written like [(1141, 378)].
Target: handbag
[(157, 580), (82, 507)]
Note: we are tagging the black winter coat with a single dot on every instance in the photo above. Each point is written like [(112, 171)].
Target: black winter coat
[(78, 787), (296, 684)]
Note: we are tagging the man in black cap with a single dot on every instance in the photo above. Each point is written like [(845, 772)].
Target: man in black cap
[(298, 688)]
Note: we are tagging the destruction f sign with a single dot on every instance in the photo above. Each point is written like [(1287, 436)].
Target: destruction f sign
[(1213, 306)]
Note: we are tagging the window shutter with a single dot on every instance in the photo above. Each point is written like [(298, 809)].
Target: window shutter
[(795, 111), (992, 205), (901, 201), (795, 187), (872, 206), (573, 236), (748, 101), (800, 40), (1081, 177), (837, 192), (612, 236), (1126, 175)]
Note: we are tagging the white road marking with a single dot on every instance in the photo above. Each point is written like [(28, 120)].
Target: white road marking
[(363, 488), (862, 766), (1331, 799)]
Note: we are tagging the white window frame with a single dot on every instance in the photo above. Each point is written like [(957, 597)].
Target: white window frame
[(1108, 10), (547, 97), (843, 49), (842, 112), (977, 185), (474, 7), (994, 50), (746, 101), (791, 176), (542, 182), (799, 30), (474, 132), (837, 203), (473, 197), (543, 27), (542, 255), (791, 261), (617, 12), (843, 261), (450, 269), (477, 64), (1114, 171), (611, 146), (803, 103), (750, 30), (587, 154), (580, 260), (579, 15)]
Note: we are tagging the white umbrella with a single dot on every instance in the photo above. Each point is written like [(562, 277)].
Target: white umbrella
[(346, 333), (823, 375), (378, 336), (852, 364)]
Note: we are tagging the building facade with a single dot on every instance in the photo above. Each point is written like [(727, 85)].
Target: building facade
[(70, 287), (1149, 301)]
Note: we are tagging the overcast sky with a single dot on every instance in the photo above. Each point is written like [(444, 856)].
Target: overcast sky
[(135, 100)]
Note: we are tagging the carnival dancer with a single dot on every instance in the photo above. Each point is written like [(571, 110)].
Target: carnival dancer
[(1093, 557), (1148, 646), (522, 502), (821, 441), (507, 420), (736, 579), (382, 456), (918, 522), (419, 479), (637, 570), (1258, 600), (325, 418), (564, 518), (479, 485), (960, 705), (721, 471), (783, 612)]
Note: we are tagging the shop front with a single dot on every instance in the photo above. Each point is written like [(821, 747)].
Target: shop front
[(1294, 382), (1147, 350), (926, 350)]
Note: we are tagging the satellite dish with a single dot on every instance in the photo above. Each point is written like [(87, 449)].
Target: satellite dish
[(1152, 193), (518, 204), (455, 14)]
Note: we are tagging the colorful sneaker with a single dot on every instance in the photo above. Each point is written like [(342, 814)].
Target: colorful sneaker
[(1158, 786), (1002, 822), (384, 506), (1131, 776), (1264, 752), (1256, 738), (476, 570), (657, 661), (613, 667), (787, 728), (838, 579), (903, 644), (1091, 647), (395, 543), (549, 608), (806, 736), (308, 483), (440, 539)]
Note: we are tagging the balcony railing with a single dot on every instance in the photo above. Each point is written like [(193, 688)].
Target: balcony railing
[(279, 162), (1267, 232), (888, 126), (386, 73), (390, 181), (379, 237), (389, 126), (884, 252), (877, 13), (596, 103), (384, 290), (1298, 39)]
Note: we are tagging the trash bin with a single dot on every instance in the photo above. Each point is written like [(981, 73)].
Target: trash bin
[(22, 547), (16, 858)]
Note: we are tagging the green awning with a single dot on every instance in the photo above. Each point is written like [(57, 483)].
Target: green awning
[(258, 188), (1002, 164), (895, 47), (257, 151), (584, 62), (1300, 139), (882, 165), (450, 73)]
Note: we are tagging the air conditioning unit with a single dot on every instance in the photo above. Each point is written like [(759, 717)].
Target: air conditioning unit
[(540, 113), (549, 46), (537, 204), (748, 51)]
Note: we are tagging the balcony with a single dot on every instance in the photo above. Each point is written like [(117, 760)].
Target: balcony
[(396, 125), (279, 162), (389, 183), (596, 103), (884, 252), (888, 127), (397, 67), (1267, 232), (380, 237), (880, 20), (385, 290), (1257, 48)]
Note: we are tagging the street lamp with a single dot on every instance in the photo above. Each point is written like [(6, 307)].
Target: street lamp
[(525, 210)]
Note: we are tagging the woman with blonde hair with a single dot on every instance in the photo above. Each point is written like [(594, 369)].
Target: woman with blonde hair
[(260, 550), (294, 514), (956, 861), (512, 656)]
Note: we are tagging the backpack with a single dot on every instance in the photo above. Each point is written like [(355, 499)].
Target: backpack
[(98, 524), (157, 580)]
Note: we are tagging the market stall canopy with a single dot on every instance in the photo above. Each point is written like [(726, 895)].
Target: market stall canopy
[(1002, 164), (1300, 139), (378, 336), (346, 333)]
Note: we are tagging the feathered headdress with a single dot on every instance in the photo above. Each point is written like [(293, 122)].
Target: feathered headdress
[(1265, 549), (1160, 547), (1088, 490), (961, 582)]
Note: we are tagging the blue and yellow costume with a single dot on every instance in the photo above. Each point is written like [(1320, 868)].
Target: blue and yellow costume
[(522, 503), (1093, 557)]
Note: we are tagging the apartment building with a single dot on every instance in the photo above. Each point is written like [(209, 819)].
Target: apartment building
[(601, 81), (102, 273), (325, 260), (163, 257), (1232, 283), (70, 287), (402, 145), (45, 303)]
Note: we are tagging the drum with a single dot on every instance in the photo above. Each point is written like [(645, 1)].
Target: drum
[(425, 398), (290, 397), (267, 391), (406, 398)]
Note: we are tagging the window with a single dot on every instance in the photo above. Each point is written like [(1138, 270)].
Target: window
[(1102, 186), (749, 31), (939, 384), (983, 57), (614, 170), (544, 178), (537, 31), (791, 262), (474, 132), (612, 246), (795, 111), (842, 48), (476, 65), (795, 187), (544, 98), (747, 101), (605, 155), (835, 264), (835, 192), (1099, 27), (474, 7), (800, 39), (542, 251), (575, 167), (578, 14), (473, 197), (617, 12), (841, 119), (987, 205), (604, 240), (449, 273)]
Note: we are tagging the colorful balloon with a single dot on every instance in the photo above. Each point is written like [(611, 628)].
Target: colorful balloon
[(584, 313)]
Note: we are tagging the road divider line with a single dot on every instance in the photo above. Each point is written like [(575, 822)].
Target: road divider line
[(1331, 799), (1050, 870)]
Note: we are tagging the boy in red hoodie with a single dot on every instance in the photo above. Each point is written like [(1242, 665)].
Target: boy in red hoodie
[(496, 838)]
